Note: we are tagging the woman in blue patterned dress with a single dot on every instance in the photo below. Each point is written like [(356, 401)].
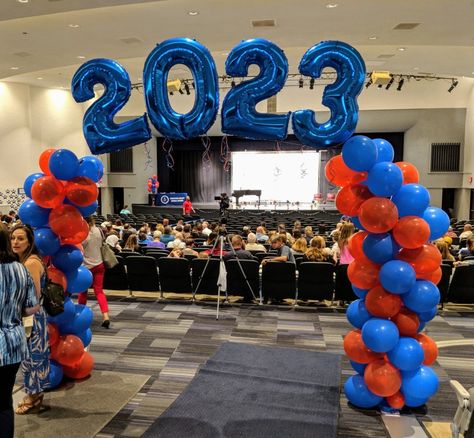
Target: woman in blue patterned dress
[(17, 298), (35, 369)]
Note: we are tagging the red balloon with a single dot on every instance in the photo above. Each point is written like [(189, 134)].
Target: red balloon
[(396, 401), (44, 160), (434, 277), (381, 303), (66, 221), (82, 369), (355, 246), (364, 275), (411, 232), (429, 347), (149, 182), (47, 192), (79, 237), (57, 276), (382, 378), (407, 322), (53, 334), (340, 175), (81, 191), (351, 197), (69, 350), (378, 215), (410, 172), (356, 349), (424, 259)]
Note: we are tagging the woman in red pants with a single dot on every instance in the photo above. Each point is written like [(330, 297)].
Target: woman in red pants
[(93, 261)]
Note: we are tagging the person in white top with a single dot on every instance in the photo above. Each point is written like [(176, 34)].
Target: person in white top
[(467, 233), (93, 261), (252, 244), (205, 229)]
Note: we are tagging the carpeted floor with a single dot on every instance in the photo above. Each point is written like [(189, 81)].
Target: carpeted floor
[(169, 341)]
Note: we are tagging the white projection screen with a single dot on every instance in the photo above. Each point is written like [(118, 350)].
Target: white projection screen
[(281, 176)]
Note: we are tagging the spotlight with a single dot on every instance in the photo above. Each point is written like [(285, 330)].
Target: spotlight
[(390, 83), (232, 84), (400, 84), (369, 83), (300, 83), (379, 86), (171, 93), (186, 88), (453, 85), (180, 91), (194, 86), (311, 83)]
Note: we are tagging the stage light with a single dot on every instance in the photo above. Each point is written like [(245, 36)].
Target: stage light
[(180, 91), (400, 84), (186, 88), (453, 85), (369, 83), (390, 83), (194, 86), (171, 93), (232, 84), (300, 83), (311, 83)]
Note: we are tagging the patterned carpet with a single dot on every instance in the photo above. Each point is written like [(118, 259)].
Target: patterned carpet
[(169, 341)]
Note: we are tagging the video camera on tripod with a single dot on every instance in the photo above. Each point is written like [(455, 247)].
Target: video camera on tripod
[(224, 203)]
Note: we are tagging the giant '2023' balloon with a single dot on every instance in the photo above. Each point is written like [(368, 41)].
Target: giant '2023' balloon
[(101, 132), (198, 59), (340, 97), (239, 116)]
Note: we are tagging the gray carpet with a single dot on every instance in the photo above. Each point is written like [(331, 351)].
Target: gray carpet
[(252, 391), (80, 409)]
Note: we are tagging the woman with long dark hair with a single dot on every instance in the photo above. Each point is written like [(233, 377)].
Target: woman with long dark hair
[(17, 299)]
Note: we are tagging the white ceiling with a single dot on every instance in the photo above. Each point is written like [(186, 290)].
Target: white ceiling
[(36, 37)]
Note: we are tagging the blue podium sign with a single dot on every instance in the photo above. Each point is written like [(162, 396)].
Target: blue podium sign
[(170, 198)]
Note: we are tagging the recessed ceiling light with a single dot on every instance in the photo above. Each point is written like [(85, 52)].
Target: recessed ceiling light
[(81, 57), (73, 25), (23, 1), (224, 53), (193, 13), (401, 49), (14, 68), (372, 37), (332, 5), (40, 79), (416, 68)]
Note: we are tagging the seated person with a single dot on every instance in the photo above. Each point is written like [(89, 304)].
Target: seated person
[(156, 242), (239, 250), (317, 251), (132, 243), (300, 246), (443, 248), (143, 239), (252, 244), (189, 248), (176, 253), (468, 250), (467, 233), (113, 241), (178, 242), (216, 246), (167, 237), (261, 234), (308, 234), (284, 253), (451, 233)]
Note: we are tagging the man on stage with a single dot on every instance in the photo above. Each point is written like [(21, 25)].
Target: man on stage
[(188, 207)]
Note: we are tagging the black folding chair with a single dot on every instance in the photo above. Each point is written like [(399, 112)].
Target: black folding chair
[(315, 281), (174, 275), (142, 274), (237, 283), (461, 288), (343, 287), (116, 277), (279, 280), (205, 281)]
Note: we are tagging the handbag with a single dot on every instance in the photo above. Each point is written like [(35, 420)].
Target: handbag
[(108, 256), (53, 297)]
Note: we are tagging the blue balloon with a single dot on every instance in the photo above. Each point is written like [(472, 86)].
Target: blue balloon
[(358, 367), (64, 164), (407, 355), (438, 221), (85, 337), (239, 116), (385, 150), (428, 315), (384, 179), (198, 59), (359, 153), (397, 276), (421, 326), (380, 248), (340, 97), (29, 181), (357, 313), (79, 280), (32, 214), (358, 394), (422, 297), (55, 375), (355, 220), (81, 321), (68, 258), (89, 210), (100, 131), (91, 167), (380, 335), (361, 293), (411, 200), (420, 384), (46, 241), (66, 316), (414, 402)]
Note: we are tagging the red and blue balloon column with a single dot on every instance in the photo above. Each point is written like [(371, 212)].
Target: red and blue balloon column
[(394, 274), (58, 200)]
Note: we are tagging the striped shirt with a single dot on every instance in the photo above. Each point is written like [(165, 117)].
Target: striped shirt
[(17, 292)]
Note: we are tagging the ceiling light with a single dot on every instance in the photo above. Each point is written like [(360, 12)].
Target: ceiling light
[(300, 83), (171, 93), (372, 37), (400, 84), (401, 49), (390, 83), (332, 5), (39, 78), (74, 26), (81, 57), (14, 68), (181, 91), (232, 84), (416, 68), (193, 13), (311, 83), (379, 86), (369, 83), (224, 53), (186, 87), (453, 85), (23, 1)]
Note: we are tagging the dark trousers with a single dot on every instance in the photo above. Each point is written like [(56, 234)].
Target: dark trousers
[(7, 377)]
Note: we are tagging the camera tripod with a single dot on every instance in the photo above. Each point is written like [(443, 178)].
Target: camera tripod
[(221, 279)]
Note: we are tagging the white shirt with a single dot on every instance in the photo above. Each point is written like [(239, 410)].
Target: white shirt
[(92, 245)]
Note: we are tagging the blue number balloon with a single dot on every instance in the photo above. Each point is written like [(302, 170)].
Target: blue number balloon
[(438, 221), (101, 132), (340, 97), (239, 116), (198, 59)]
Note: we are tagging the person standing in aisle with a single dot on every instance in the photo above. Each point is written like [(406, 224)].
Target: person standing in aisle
[(93, 261), (17, 299)]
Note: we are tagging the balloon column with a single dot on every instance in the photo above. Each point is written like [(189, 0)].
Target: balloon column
[(58, 200), (394, 274), (153, 184)]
